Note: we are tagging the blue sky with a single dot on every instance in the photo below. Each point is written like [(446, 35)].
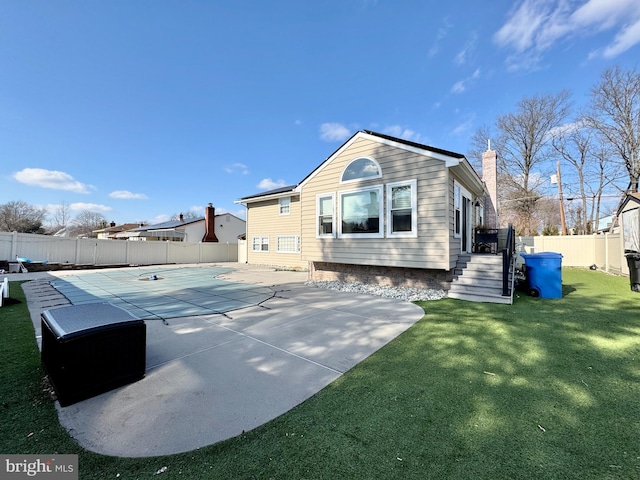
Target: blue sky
[(141, 109)]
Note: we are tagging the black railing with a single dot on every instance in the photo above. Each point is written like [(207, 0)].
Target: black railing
[(507, 257)]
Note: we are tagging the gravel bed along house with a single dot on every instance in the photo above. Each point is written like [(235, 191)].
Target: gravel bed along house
[(406, 294)]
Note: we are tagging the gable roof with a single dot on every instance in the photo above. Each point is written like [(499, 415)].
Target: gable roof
[(452, 159), (635, 197)]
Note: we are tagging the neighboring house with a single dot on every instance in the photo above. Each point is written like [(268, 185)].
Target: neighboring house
[(629, 218), (223, 228), (112, 230), (379, 209)]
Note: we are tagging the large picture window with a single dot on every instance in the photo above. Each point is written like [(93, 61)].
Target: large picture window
[(402, 217), (325, 218), (361, 213)]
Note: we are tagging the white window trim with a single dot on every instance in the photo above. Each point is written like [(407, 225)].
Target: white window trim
[(414, 209), (379, 189), (333, 215), (297, 244), (361, 179), (281, 204), (262, 242)]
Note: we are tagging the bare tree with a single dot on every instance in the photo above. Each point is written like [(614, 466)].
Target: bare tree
[(86, 222), (523, 149), (60, 218), (573, 144), (615, 112), (19, 216)]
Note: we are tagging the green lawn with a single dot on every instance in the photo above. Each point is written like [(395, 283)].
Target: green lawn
[(541, 389)]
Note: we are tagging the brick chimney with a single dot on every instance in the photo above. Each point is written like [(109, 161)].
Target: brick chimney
[(210, 224), (490, 178)]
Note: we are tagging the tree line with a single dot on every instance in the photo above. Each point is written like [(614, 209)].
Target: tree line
[(19, 216), (595, 151)]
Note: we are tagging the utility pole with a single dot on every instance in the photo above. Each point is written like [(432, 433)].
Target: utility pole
[(562, 219)]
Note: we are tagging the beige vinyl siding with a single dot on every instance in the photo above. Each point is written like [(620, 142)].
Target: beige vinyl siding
[(431, 247), (264, 220)]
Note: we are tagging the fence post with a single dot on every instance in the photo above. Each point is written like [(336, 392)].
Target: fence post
[(606, 252), (14, 245)]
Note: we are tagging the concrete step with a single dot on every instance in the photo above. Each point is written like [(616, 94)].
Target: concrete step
[(487, 288), (478, 270), (476, 297), (478, 279)]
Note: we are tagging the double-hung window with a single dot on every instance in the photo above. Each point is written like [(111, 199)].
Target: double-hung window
[(325, 217), (402, 206), (260, 244), (284, 206), (361, 213)]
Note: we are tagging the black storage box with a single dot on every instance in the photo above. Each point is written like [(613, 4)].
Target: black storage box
[(91, 349)]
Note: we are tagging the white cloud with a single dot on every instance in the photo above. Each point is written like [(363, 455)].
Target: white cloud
[(458, 87), (442, 33), (401, 132), (39, 177), (462, 85), (464, 128), (627, 38), (126, 195), (159, 219), (534, 26), (332, 132), (92, 207), (198, 209), (237, 168), (268, 184), (463, 55)]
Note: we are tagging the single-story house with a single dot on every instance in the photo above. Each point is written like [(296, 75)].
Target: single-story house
[(224, 228), (112, 230), (379, 208)]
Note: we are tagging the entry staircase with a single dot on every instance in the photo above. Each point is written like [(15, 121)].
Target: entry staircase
[(486, 277), (478, 278)]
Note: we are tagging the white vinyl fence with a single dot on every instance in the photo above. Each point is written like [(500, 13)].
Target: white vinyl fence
[(84, 251), (604, 251)]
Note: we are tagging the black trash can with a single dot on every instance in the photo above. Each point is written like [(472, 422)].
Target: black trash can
[(633, 261)]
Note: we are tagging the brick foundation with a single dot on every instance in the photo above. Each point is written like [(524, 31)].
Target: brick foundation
[(380, 275)]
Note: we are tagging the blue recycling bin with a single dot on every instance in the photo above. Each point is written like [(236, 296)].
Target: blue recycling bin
[(544, 273)]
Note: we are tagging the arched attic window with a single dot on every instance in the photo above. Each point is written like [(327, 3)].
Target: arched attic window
[(362, 168)]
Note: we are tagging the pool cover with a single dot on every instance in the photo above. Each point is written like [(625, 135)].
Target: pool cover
[(159, 292)]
